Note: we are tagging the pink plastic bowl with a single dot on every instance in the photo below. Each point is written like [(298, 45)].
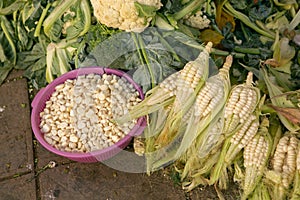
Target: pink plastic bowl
[(39, 102)]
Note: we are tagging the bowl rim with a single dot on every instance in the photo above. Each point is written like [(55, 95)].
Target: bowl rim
[(136, 130)]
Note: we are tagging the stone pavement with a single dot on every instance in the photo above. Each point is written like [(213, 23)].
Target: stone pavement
[(22, 164)]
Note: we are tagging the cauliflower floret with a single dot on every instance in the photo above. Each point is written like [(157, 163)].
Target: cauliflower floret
[(122, 14), (197, 20)]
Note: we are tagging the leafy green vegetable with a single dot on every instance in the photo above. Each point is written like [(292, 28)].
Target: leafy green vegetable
[(149, 56), (6, 38), (8, 7), (4, 71)]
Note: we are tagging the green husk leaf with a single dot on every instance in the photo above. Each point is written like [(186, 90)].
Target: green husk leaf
[(12, 7), (253, 175), (261, 192), (296, 190)]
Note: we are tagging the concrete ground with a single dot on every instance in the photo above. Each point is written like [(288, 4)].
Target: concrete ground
[(23, 175)]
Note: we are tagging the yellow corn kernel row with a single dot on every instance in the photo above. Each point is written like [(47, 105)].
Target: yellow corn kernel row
[(284, 160)]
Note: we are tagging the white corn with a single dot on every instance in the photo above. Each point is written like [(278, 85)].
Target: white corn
[(285, 156), (241, 103)]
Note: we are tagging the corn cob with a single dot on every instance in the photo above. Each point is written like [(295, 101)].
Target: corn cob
[(192, 77), (284, 167), (256, 155), (186, 134), (284, 161), (241, 103), (201, 156), (207, 108), (214, 92), (233, 145)]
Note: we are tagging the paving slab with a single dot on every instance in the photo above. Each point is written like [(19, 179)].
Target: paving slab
[(15, 131), (18, 188), (83, 181), (43, 156)]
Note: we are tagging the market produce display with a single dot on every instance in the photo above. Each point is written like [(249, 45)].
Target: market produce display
[(221, 82)]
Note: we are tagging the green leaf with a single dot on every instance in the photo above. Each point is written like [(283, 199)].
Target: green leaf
[(283, 79), (4, 71), (145, 10), (2, 53), (279, 100), (12, 7), (79, 24), (6, 40), (53, 24), (284, 53), (63, 61)]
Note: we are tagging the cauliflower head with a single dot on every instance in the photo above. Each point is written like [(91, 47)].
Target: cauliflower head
[(123, 14)]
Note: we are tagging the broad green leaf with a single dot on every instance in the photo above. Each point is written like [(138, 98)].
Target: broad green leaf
[(6, 39), (278, 100), (145, 10), (4, 71)]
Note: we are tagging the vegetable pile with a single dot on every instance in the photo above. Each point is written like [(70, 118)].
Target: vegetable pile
[(221, 79)]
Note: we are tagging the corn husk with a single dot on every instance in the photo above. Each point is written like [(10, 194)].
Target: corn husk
[(185, 97), (254, 173)]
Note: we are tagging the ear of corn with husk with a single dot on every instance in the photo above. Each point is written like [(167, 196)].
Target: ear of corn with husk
[(206, 115), (208, 106), (190, 80), (242, 102), (240, 125), (200, 152), (198, 121), (284, 166), (256, 155)]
